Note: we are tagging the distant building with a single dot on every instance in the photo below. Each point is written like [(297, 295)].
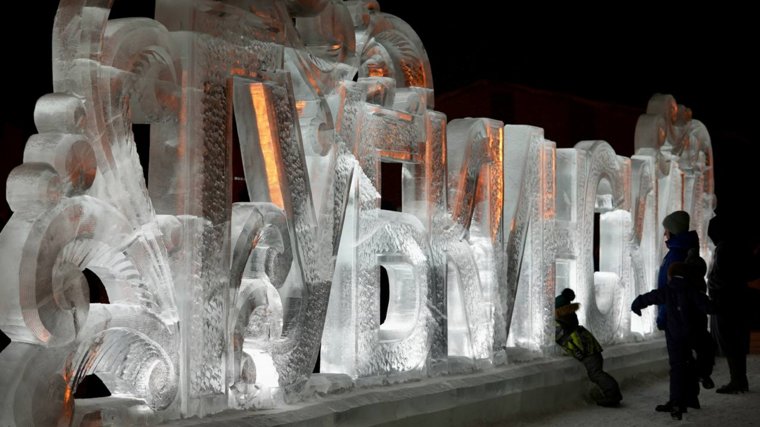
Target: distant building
[(566, 119)]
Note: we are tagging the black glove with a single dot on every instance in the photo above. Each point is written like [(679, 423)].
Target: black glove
[(636, 308)]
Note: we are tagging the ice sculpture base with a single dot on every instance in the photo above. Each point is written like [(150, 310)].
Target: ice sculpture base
[(507, 392)]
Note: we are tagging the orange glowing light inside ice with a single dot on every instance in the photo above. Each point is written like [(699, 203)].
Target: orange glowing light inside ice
[(266, 139)]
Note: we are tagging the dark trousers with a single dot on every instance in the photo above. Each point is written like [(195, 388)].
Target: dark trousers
[(704, 347), (595, 369), (731, 331), (737, 367), (684, 387)]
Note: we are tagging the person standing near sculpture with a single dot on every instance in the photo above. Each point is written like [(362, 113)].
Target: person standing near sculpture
[(679, 240), (703, 343), (727, 285), (578, 342), (684, 306)]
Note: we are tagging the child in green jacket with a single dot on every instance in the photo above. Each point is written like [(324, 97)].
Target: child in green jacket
[(578, 342)]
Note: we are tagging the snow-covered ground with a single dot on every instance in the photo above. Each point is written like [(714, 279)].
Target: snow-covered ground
[(642, 394), (549, 391)]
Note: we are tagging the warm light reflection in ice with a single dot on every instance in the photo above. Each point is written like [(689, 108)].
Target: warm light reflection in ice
[(271, 163)]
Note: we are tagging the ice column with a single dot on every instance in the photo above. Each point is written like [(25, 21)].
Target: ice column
[(474, 242), (530, 208), (645, 240)]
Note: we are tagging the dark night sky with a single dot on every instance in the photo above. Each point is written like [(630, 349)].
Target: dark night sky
[(614, 53)]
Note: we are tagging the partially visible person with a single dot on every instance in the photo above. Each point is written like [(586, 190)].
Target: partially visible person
[(683, 306), (578, 342), (679, 240), (727, 284), (703, 343)]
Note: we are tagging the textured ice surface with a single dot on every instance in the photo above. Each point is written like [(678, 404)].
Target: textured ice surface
[(185, 298), (477, 296), (603, 188), (530, 194)]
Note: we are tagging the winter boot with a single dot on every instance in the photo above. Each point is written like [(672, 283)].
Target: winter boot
[(732, 388), (677, 412), (670, 407), (707, 383)]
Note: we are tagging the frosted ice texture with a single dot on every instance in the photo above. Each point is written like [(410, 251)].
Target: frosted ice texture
[(214, 304), (411, 339), (603, 188), (477, 295), (644, 238), (529, 209)]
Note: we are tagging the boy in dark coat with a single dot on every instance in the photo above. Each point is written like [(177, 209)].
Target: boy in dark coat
[(578, 342), (679, 240), (683, 308)]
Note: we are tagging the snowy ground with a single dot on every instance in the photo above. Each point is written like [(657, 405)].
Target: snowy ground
[(641, 395), (551, 391)]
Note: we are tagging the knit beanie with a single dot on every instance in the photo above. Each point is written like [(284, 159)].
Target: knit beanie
[(564, 298), (677, 222)]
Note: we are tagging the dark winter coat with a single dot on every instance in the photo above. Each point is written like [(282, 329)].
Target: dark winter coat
[(683, 306), (678, 249), (697, 271), (576, 340), (727, 283)]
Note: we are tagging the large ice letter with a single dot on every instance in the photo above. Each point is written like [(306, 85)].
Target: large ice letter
[(529, 210), (474, 242), (276, 172), (594, 184), (390, 126)]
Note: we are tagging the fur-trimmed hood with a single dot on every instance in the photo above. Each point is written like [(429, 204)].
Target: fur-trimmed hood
[(567, 309)]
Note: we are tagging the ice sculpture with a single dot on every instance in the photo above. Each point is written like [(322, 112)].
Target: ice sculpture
[(602, 185), (475, 153), (530, 209), (185, 298)]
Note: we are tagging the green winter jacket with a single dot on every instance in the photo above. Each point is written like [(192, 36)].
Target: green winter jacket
[(576, 340)]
